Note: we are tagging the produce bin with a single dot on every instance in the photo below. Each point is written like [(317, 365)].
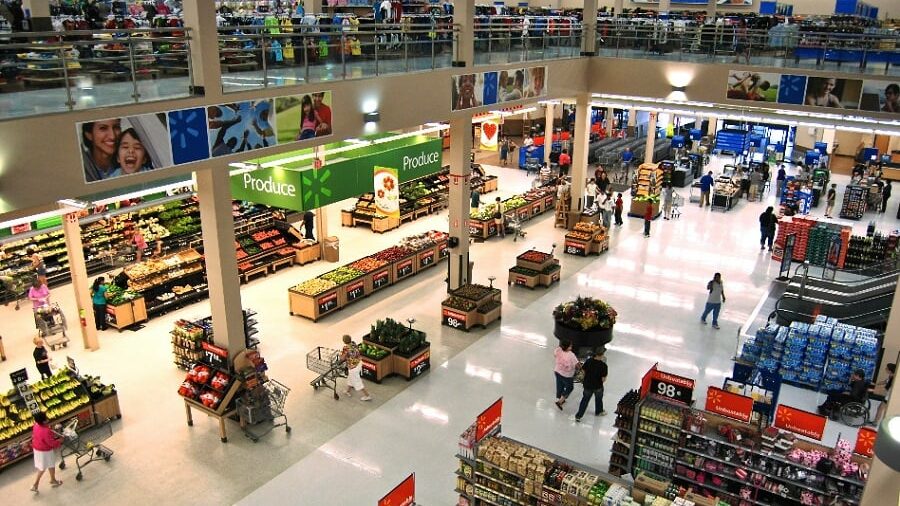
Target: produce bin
[(415, 364), (332, 249), (552, 277), (314, 306), (522, 279)]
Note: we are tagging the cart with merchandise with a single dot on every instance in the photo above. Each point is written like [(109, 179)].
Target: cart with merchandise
[(261, 410), (50, 320), (118, 257), (677, 204), (85, 446), (327, 363), (13, 286)]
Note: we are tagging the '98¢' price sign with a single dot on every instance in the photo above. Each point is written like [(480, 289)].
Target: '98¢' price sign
[(674, 390)]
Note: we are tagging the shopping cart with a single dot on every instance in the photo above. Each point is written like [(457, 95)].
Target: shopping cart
[(328, 365), (85, 446), (514, 226), (677, 202), (262, 409), (50, 320)]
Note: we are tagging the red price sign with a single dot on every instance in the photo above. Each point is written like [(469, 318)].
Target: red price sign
[(488, 420), (722, 402), (800, 422), (865, 441), (403, 494), (645, 381)]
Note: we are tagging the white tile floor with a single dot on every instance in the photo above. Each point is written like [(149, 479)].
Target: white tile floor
[(349, 452)]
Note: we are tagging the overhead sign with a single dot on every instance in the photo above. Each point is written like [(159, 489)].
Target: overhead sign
[(489, 135), (670, 386), (488, 420), (403, 494), (800, 422), (865, 441), (488, 88), (722, 402), (273, 186)]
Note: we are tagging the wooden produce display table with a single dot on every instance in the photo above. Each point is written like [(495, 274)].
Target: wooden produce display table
[(107, 408), (534, 268), (461, 309), (313, 306), (126, 314), (414, 365), (586, 239), (392, 361), (638, 208), (376, 369), (224, 411), (489, 184)]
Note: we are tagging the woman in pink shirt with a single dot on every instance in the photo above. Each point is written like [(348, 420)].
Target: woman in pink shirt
[(566, 365), (38, 293), (44, 443)]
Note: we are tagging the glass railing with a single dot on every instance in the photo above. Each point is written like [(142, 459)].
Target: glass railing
[(253, 57), (48, 72), (500, 43), (872, 54)]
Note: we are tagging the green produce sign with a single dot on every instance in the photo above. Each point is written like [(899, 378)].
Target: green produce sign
[(274, 187)]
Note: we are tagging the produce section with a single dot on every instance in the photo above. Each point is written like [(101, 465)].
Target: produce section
[(168, 282), (471, 305), (534, 268), (333, 290), (418, 198), (524, 207)]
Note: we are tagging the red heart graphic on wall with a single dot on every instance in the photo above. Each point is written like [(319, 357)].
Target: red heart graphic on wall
[(490, 130)]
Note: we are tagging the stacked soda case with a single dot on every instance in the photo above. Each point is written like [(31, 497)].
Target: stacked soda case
[(793, 225), (865, 250), (806, 350), (851, 348), (821, 237)]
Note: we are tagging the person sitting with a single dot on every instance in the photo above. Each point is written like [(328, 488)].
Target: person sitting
[(858, 390)]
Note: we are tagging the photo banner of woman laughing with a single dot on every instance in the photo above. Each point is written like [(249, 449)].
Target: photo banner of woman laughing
[(116, 147)]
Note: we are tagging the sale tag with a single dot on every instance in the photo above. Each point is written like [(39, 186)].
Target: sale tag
[(403, 494), (328, 302), (380, 279), (865, 441), (672, 386), (419, 365), (404, 268), (722, 402), (453, 319), (800, 422), (426, 258), (488, 420), (355, 290), (576, 248), (443, 250)]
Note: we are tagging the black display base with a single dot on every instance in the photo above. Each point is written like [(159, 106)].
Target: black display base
[(584, 342), (458, 64), (588, 53)]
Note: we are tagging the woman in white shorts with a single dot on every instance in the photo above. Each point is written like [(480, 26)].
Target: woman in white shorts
[(351, 355), (44, 443)]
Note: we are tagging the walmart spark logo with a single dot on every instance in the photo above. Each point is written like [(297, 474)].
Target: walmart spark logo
[(188, 135), (315, 186)]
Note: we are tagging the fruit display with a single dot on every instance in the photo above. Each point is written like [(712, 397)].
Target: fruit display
[(314, 286), (459, 303), (581, 236), (488, 306), (425, 240), (393, 254), (535, 256), (367, 264), (523, 271), (485, 213), (373, 352), (474, 291), (514, 203), (342, 275), (588, 227), (57, 396)]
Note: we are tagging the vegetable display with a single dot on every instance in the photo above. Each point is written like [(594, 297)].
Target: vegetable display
[(523, 271), (342, 275), (459, 303), (373, 352), (314, 286), (387, 332), (585, 313), (535, 256), (513, 203), (474, 291)]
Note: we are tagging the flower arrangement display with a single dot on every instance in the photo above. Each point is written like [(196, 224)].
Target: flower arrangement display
[(585, 313)]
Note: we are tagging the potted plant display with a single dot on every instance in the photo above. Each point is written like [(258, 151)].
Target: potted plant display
[(585, 321)]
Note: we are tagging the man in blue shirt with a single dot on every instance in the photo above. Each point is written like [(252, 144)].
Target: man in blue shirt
[(706, 183)]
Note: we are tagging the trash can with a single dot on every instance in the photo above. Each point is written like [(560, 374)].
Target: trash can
[(332, 249)]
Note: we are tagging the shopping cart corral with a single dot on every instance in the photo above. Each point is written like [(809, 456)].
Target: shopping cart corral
[(327, 364), (86, 445), (50, 320), (262, 409)]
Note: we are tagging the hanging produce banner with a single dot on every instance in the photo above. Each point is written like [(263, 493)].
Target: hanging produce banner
[(722, 402), (387, 192), (403, 494), (800, 422), (488, 420), (489, 135), (865, 442), (274, 186), (487, 88), (116, 147)]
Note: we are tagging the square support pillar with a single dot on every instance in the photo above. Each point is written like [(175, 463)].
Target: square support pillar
[(464, 41), (80, 281), (581, 139), (200, 17), (460, 197)]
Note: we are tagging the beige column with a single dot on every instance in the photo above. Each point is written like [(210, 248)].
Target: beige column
[(549, 113), (460, 196), (632, 122), (312, 6), (464, 43), (217, 226), (580, 148), (589, 25), (619, 6), (664, 6), (610, 120), (711, 126), (80, 282), (711, 9), (651, 138), (38, 13), (200, 17)]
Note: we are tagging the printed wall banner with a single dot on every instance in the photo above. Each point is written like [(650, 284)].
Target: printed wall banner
[(699, 2), (240, 127), (387, 192), (800, 422), (476, 90), (832, 92), (301, 117), (882, 96), (489, 133), (188, 135), (403, 494), (792, 89), (865, 441), (488, 420), (754, 86), (116, 147), (274, 186), (722, 402)]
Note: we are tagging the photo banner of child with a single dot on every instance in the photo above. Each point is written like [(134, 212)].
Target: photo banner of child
[(880, 96), (467, 91), (301, 117), (240, 127), (833, 92), (753, 86), (116, 147)]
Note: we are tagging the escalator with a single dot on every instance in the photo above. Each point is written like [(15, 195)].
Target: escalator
[(864, 301)]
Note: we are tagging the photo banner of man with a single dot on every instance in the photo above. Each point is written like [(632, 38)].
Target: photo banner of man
[(833, 92), (302, 117), (881, 96), (240, 127), (489, 131), (753, 86), (387, 192), (117, 147)]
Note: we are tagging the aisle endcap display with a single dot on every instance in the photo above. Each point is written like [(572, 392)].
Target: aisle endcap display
[(534, 268), (471, 305)]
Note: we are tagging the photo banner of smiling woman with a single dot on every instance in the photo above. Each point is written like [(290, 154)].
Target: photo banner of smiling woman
[(814, 91), (488, 88), (116, 147)]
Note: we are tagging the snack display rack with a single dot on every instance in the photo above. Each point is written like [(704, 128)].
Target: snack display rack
[(645, 190), (621, 451), (471, 305), (656, 437), (534, 268), (724, 194), (522, 207), (188, 337), (391, 348), (336, 289), (854, 204), (586, 239)]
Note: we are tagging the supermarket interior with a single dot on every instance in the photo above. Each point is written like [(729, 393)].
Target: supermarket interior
[(254, 250)]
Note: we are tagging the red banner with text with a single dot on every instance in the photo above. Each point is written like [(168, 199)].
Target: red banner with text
[(722, 402), (403, 494), (800, 422), (865, 441), (645, 381), (488, 420)]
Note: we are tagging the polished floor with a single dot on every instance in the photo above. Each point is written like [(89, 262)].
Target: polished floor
[(350, 452)]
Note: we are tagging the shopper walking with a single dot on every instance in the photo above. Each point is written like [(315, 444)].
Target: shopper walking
[(140, 244), (887, 385), (755, 184), (498, 218), (779, 180), (350, 354), (566, 363), (309, 219), (885, 194), (38, 294), (38, 266), (595, 373), (830, 198), (603, 182), (706, 184), (767, 224), (714, 301), (565, 161), (606, 209), (667, 200), (648, 217), (590, 194), (506, 146), (618, 210), (41, 358), (44, 443), (474, 200), (98, 300)]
